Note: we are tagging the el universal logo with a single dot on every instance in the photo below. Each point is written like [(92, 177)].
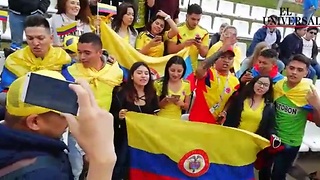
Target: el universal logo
[(288, 19)]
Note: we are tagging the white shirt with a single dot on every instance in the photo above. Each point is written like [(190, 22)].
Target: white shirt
[(271, 37), (59, 20), (307, 47)]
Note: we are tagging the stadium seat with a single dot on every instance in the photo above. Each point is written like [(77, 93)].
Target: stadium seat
[(2, 59), (243, 49), (206, 22), (258, 13), (194, 2), (254, 28), (183, 4), (65, 136), (185, 117), (287, 31), (4, 3), (210, 6), (226, 8), (272, 12), (242, 10), (182, 16), (317, 84), (52, 8), (318, 39), (7, 33), (1, 27), (218, 21), (242, 28), (304, 148), (312, 137)]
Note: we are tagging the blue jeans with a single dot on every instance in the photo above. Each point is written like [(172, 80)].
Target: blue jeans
[(121, 168), (16, 23), (311, 73), (75, 157), (283, 162), (316, 68), (280, 65)]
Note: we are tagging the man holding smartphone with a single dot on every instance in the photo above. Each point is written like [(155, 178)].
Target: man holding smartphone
[(267, 66), (31, 147), (191, 35)]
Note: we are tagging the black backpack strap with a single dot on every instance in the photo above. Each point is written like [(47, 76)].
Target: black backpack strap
[(25, 166)]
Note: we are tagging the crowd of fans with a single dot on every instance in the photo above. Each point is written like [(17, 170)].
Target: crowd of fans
[(270, 93)]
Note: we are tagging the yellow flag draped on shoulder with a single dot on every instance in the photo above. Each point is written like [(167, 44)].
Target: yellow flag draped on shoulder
[(296, 95), (24, 61), (167, 149), (126, 55), (101, 82)]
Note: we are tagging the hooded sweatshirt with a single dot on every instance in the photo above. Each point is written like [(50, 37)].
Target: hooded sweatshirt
[(18, 145)]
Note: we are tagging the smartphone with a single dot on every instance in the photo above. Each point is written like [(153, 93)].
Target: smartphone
[(175, 96), (150, 35), (50, 93), (198, 38)]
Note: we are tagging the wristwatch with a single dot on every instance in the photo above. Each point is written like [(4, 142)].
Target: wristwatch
[(167, 17)]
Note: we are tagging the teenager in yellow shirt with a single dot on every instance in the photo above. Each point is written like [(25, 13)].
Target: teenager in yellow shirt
[(151, 41), (229, 31), (173, 92), (191, 35)]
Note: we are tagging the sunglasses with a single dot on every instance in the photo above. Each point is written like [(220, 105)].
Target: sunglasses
[(315, 33)]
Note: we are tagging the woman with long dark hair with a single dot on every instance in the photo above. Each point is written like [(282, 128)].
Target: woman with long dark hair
[(70, 11), (137, 95), (173, 92), (151, 41), (252, 109), (140, 95), (124, 21)]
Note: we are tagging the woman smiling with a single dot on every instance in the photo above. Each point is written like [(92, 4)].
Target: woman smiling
[(70, 11)]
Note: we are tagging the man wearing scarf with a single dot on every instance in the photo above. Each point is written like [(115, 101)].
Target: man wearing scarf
[(38, 55), (101, 75), (267, 65), (295, 97)]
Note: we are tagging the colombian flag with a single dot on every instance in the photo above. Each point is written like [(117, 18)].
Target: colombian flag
[(166, 149), (65, 30), (105, 8), (126, 55), (3, 16)]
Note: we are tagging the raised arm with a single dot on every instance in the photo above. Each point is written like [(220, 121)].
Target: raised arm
[(208, 62)]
